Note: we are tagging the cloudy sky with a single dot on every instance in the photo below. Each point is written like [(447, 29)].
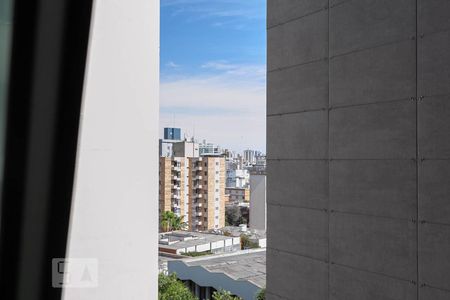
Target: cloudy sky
[(213, 70)]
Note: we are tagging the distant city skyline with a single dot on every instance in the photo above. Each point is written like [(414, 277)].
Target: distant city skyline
[(199, 140), (213, 71)]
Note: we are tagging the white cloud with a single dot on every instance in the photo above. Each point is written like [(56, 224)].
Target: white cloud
[(223, 109), (237, 72), (171, 64), (229, 13)]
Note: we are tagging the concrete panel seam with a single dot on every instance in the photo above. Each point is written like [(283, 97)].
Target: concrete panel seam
[(295, 206), (424, 35), (297, 18), (426, 285), (339, 3), (424, 222), (298, 254), (376, 273), (329, 157), (350, 159), (373, 47), (296, 65), (407, 98), (296, 112), (294, 159), (333, 211), (431, 97)]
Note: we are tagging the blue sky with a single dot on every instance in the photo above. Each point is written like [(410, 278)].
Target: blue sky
[(213, 55)]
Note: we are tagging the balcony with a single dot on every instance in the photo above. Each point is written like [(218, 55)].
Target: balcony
[(198, 186), (198, 214), (198, 177)]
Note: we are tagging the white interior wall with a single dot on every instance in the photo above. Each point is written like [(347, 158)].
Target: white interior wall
[(115, 208)]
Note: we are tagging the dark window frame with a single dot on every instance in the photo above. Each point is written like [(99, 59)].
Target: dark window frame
[(48, 57)]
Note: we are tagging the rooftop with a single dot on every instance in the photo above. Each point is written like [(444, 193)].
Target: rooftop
[(249, 265), (185, 239)]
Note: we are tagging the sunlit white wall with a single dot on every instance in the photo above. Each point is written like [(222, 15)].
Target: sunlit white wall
[(115, 213)]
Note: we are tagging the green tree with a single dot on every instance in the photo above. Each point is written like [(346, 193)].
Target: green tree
[(170, 288), (246, 243), (170, 221), (261, 294), (233, 216), (224, 295)]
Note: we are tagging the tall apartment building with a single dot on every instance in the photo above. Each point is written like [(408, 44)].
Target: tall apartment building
[(207, 193), (174, 186), (194, 188)]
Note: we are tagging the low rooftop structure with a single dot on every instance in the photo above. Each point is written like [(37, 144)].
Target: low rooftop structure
[(243, 273), (179, 242), (255, 235)]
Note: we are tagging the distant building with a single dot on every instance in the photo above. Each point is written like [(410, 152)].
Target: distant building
[(180, 242), (249, 157), (242, 273), (172, 134), (238, 194), (165, 148), (208, 149), (185, 149), (207, 193), (258, 203), (238, 178)]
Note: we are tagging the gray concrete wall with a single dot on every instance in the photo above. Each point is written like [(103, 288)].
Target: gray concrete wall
[(358, 132)]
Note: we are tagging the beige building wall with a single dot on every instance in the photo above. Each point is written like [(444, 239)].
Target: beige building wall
[(165, 185), (172, 196), (207, 193)]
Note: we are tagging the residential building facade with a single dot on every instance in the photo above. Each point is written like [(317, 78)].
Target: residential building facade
[(173, 187), (238, 194), (194, 189), (207, 193)]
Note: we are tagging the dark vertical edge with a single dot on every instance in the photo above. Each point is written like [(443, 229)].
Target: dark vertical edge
[(26, 100), (75, 45), (329, 155), (16, 141), (418, 160)]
